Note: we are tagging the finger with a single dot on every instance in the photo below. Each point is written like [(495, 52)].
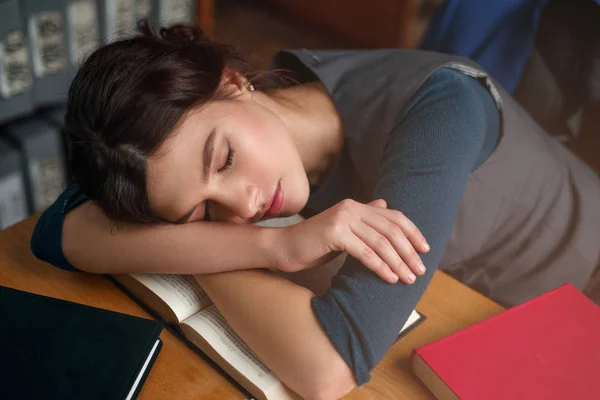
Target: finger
[(368, 257), (384, 249), (381, 203), (402, 246), (410, 230)]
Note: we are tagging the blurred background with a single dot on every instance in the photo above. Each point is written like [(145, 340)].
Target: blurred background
[(553, 45)]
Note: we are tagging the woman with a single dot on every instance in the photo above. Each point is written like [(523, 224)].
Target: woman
[(169, 132)]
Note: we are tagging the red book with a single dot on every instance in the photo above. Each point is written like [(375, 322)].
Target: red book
[(547, 348)]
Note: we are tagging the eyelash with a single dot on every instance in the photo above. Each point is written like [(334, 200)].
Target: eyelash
[(229, 161), (228, 164)]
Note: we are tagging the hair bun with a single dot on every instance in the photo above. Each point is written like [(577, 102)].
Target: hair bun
[(183, 34)]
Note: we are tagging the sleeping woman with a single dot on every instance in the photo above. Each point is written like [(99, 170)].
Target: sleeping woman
[(406, 160)]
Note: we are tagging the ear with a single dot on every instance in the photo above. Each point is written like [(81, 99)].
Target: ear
[(234, 83)]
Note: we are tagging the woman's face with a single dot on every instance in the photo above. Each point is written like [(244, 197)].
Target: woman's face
[(231, 161)]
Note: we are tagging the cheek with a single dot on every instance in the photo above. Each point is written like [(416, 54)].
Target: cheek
[(300, 192), (270, 155), (267, 143)]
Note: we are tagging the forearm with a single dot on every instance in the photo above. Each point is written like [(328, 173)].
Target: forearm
[(94, 243), (274, 317)]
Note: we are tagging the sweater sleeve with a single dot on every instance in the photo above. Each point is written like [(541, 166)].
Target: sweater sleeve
[(449, 127), (46, 240)]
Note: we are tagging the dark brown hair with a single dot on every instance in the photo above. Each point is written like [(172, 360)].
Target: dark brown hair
[(125, 101)]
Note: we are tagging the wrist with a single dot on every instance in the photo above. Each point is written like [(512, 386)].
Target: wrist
[(270, 244)]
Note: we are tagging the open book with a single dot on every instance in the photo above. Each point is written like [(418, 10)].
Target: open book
[(179, 300)]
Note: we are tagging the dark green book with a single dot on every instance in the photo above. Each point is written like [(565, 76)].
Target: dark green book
[(55, 349)]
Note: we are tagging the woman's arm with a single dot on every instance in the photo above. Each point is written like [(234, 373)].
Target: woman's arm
[(74, 234), (274, 317), (93, 243)]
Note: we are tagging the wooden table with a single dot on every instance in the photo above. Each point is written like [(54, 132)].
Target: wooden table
[(180, 373)]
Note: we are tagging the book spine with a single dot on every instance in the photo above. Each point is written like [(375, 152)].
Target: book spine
[(148, 10), (83, 31), (16, 79), (176, 12), (47, 35), (41, 148), (13, 198)]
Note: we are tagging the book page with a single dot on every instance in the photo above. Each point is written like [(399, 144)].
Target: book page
[(280, 222), (180, 293), (412, 318), (209, 331)]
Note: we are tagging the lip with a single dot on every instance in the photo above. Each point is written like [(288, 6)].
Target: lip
[(276, 202)]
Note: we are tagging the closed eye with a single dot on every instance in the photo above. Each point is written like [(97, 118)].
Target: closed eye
[(228, 164), (228, 161)]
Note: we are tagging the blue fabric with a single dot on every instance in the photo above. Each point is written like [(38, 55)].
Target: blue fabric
[(498, 34), (447, 130), (46, 240)]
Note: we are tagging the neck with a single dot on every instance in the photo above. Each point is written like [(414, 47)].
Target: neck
[(312, 120)]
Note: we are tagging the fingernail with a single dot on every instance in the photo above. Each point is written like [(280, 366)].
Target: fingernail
[(411, 277), (421, 268), (393, 277), (426, 245)]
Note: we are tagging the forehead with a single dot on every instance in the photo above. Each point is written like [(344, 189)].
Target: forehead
[(194, 127), (175, 166)]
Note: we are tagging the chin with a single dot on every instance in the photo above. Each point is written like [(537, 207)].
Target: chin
[(299, 204), (287, 212), (296, 197)]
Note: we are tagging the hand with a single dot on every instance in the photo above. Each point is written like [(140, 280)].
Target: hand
[(385, 241)]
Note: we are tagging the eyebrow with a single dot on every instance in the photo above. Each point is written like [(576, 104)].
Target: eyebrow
[(207, 157)]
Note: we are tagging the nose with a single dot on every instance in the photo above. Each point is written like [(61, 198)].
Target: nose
[(249, 204), (238, 201)]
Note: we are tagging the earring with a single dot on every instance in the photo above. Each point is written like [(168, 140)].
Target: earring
[(251, 87)]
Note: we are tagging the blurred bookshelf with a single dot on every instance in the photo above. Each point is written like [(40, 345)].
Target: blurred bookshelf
[(42, 43)]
